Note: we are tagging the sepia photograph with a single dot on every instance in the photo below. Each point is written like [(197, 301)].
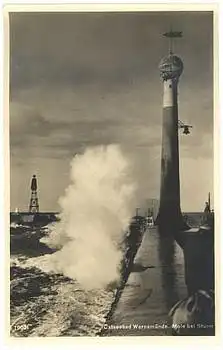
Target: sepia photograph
[(111, 172)]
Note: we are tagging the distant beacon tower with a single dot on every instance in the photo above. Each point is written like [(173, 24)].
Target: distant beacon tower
[(169, 216), (34, 205)]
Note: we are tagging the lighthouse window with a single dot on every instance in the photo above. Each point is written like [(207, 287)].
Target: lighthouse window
[(170, 86)]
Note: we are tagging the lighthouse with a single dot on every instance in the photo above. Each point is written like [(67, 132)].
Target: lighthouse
[(169, 216), (34, 205)]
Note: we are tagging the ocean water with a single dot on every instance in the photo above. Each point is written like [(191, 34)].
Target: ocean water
[(48, 304)]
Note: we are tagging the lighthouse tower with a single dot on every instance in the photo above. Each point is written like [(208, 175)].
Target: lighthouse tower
[(34, 205), (169, 216)]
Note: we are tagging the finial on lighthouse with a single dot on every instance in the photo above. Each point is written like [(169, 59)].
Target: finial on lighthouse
[(171, 66)]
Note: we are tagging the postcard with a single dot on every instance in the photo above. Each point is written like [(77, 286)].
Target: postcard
[(111, 129)]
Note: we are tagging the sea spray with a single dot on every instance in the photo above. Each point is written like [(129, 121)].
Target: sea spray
[(95, 212)]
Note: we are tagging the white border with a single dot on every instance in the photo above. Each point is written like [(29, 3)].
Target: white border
[(107, 6)]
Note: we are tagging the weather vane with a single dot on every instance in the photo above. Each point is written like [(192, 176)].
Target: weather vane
[(171, 35)]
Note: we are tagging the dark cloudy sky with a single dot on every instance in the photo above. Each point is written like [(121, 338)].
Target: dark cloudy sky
[(85, 79)]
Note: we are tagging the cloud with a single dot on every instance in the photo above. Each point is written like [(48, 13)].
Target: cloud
[(82, 80), (104, 48), (28, 125)]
